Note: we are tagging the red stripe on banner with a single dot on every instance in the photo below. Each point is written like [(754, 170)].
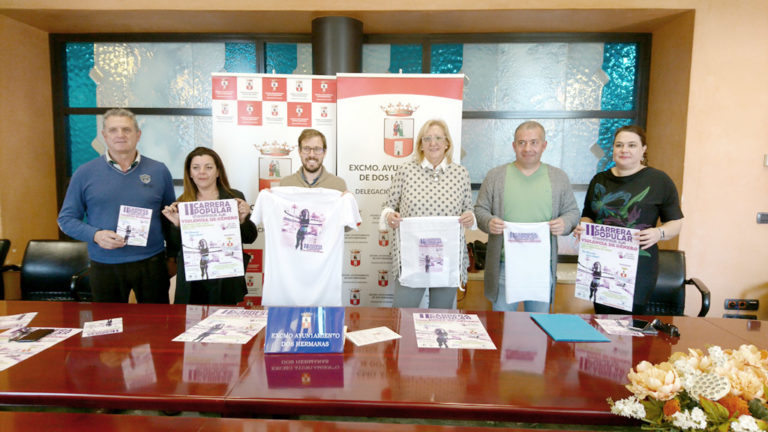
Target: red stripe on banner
[(348, 87)]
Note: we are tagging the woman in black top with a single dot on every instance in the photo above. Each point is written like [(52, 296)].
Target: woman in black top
[(205, 179), (633, 195)]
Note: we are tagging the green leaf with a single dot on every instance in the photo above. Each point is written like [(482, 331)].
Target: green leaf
[(758, 410), (716, 413), (654, 410)]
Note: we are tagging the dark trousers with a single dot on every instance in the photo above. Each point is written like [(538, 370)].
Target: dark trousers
[(148, 278)]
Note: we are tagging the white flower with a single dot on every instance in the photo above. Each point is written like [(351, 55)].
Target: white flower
[(694, 419), (719, 359), (687, 373), (629, 407), (745, 424)]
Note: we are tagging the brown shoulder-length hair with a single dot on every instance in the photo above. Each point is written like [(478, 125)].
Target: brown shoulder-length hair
[(190, 188), (639, 131)]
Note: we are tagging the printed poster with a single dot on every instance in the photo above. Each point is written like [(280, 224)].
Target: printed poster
[(133, 225), (12, 353), (226, 325), (449, 330), (210, 237), (379, 117), (607, 265)]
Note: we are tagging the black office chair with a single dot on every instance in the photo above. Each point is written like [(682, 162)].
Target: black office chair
[(54, 270), (669, 296), (5, 246)]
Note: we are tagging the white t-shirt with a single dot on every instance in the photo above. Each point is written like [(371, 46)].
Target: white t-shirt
[(430, 251), (527, 261), (304, 244)]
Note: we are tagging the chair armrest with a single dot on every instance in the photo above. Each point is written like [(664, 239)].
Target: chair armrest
[(9, 267), (705, 294), (75, 281)]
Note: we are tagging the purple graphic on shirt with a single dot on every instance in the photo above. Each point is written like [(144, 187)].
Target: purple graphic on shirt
[(302, 229)]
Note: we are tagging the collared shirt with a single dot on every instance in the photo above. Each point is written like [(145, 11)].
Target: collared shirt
[(116, 165), (440, 167), (317, 178)]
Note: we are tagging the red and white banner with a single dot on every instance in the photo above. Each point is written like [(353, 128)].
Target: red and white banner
[(379, 117)]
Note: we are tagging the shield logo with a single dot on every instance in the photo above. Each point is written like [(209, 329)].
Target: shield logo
[(354, 259), (299, 110), (225, 109), (383, 239), (324, 86), (306, 378), (249, 108), (273, 84), (383, 278), (145, 178), (324, 111), (224, 83), (299, 86), (274, 110), (249, 84), (354, 297), (398, 136)]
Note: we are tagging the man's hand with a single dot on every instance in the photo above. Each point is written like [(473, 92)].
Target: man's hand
[(496, 226), (108, 239), (557, 226)]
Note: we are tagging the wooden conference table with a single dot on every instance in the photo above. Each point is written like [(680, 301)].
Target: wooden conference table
[(529, 378)]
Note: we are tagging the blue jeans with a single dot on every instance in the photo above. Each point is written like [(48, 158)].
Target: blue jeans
[(501, 304)]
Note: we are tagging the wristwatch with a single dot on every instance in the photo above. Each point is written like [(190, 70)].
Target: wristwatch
[(661, 231)]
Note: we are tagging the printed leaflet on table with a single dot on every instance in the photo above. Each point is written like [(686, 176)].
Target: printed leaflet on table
[(450, 330), (103, 327), (14, 352), (133, 225), (607, 265), (305, 330), (16, 321), (235, 326), (372, 335), (210, 236)]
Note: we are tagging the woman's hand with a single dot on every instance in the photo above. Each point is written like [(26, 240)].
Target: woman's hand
[(393, 220), (648, 237), (243, 210), (467, 219), (171, 213)]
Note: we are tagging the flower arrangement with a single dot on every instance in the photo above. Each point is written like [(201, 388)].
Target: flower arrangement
[(722, 390)]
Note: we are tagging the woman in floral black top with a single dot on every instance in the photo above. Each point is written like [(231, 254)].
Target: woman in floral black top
[(636, 196)]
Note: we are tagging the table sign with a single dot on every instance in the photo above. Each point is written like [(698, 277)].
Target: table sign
[(305, 330)]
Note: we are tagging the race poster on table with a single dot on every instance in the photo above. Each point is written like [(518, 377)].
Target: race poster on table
[(607, 265), (450, 330), (228, 325), (12, 352), (210, 237), (133, 225)]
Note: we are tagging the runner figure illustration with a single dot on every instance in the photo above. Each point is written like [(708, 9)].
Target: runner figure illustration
[(442, 338)]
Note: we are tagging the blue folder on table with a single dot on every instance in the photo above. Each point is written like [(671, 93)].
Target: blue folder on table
[(568, 328)]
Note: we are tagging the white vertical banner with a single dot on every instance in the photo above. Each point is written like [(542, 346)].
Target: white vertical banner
[(257, 119), (379, 116)]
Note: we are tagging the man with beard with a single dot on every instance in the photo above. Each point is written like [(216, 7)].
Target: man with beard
[(312, 174)]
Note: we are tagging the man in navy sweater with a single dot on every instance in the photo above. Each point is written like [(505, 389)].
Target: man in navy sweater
[(91, 208)]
